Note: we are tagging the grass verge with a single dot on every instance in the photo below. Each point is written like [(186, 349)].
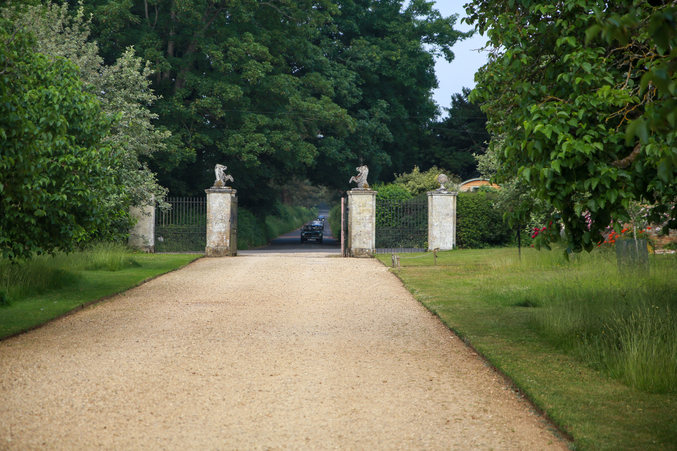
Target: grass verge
[(78, 287), (545, 324)]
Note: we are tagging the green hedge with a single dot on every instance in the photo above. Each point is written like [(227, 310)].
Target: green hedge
[(335, 221), (479, 223)]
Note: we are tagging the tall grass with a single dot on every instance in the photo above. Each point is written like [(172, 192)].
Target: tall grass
[(624, 324), (23, 279)]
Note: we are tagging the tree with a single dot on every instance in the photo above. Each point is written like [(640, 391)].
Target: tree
[(55, 170), (277, 90), (459, 138), (418, 183), (562, 107), (388, 50), (123, 90)]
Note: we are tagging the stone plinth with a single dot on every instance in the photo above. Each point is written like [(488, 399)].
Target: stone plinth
[(361, 222), (220, 204), (441, 220), (142, 235)]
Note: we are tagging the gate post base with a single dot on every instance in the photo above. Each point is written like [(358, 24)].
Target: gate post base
[(217, 252), (220, 202), (362, 253), (441, 220), (361, 222)]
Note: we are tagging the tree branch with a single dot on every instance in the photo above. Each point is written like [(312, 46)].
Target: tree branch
[(627, 161), (278, 10)]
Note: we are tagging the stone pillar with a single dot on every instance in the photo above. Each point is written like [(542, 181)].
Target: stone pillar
[(220, 202), (441, 220), (361, 222), (142, 235)]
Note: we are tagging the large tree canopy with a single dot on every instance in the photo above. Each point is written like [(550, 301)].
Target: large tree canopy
[(458, 138), (579, 120), (122, 90), (55, 171), (283, 88)]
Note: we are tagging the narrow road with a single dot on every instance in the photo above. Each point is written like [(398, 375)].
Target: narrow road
[(258, 352)]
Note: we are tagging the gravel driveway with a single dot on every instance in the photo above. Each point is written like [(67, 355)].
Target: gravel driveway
[(258, 352)]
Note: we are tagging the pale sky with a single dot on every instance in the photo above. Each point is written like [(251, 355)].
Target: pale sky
[(461, 71)]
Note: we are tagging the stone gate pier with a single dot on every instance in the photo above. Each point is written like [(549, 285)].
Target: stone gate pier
[(361, 222), (221, 216), (441, 219), (221, 208)]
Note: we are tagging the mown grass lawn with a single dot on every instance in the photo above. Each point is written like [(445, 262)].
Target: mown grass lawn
[(88, 286), (504, 308)]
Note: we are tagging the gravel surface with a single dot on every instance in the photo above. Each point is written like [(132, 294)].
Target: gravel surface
[(259, 352)]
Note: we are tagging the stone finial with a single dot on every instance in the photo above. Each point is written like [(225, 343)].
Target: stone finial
[(221, 176), (442, 179), (361, 178)]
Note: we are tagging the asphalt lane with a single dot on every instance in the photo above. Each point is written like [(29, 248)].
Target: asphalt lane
[(291, 242)]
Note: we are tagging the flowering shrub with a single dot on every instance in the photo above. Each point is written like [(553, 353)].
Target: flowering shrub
[(544, 235), (612, 236)]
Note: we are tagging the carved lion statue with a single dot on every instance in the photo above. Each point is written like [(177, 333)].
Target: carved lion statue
[(221, 176), (361, 178)]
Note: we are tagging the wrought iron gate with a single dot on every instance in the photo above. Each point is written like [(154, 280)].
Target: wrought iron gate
[(401, 225), (183, 228)]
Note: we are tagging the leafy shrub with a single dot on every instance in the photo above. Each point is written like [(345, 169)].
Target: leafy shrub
[(417, 182), (391, 192), (479, 224), (251, 231)]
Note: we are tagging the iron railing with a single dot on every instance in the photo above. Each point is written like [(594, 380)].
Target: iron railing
[(402, 225), (183, 228)]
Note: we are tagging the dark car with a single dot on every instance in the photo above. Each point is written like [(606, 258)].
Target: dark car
[(311, 232)]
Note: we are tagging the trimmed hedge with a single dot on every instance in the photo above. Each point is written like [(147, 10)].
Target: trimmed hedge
[(479, 224)]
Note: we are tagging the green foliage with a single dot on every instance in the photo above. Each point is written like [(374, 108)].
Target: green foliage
[(417, 182), (578, 122), (287, 218), (335, 221), (251, 231), (299, 89), (122, 89), (459, 138), (479, 223), (56, 174), (391, 191), (303, 193)]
